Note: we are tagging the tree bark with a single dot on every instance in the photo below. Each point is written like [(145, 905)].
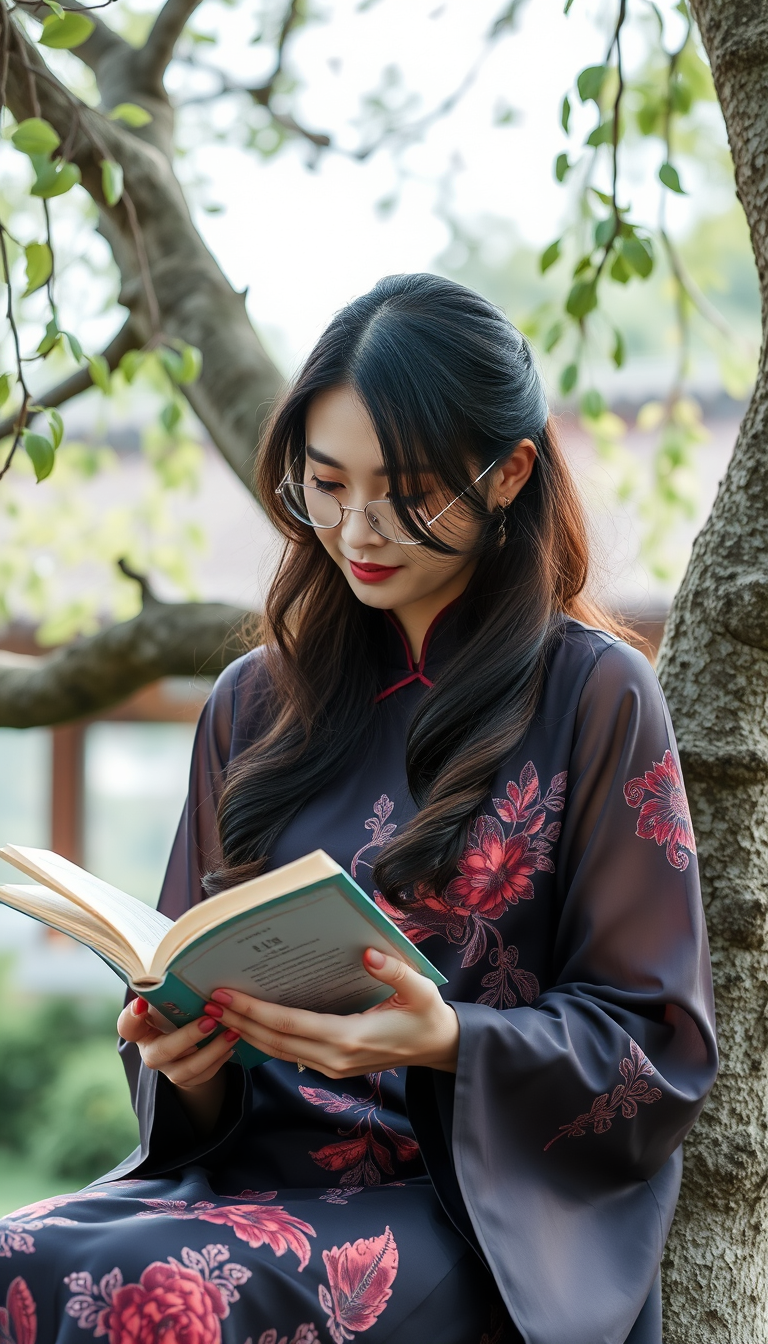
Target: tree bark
[(714, 668), (165, 639)]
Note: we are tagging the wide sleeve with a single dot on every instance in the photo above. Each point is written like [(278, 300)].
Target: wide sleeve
[(565, 1118), (167, 1137)]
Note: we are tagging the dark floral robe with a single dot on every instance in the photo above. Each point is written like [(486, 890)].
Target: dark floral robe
[(527, 1197)]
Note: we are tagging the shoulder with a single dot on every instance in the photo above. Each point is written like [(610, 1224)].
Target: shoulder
[(594, 658), (233, 707)]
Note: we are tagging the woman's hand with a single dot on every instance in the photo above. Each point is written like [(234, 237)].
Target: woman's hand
[(414, 1026), (196, 1073)]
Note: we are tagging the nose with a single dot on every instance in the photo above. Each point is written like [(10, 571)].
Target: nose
[(357, 532)]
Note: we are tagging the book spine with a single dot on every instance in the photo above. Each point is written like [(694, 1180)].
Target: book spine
[(181, 1005)]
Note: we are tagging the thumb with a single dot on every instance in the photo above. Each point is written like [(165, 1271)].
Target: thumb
[(411, 987), (133, 1024)]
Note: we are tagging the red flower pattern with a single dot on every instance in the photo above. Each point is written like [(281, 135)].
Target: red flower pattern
[(258, 1224), (495, 872), (358, 1154), (664, 816), (360, 1278), (625, 1097), (18, 1318)]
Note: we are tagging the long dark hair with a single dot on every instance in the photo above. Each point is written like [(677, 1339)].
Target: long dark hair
[(445, 378)]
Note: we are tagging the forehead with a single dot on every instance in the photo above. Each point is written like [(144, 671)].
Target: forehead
[(339, 427)]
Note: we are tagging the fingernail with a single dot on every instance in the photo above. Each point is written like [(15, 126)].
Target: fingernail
[(221, 996), (139, 1006), (206, 1025), (375, 958), (213, 1010), (231, 1035)]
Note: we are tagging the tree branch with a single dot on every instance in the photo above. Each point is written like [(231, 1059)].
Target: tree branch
[(126, 339), (164, 640), (103, 43), (156, 54)]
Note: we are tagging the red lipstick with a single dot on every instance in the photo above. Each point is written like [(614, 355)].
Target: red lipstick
[(373, 573)]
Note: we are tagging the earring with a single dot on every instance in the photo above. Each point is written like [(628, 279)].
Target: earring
[(501, 536)]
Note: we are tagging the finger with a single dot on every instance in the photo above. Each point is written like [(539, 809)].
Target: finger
[(411, 987), (164, 1049), (237, 1010), (134, 1023), (188, 1074)]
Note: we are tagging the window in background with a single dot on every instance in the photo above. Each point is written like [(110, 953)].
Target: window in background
[(135, 785), (25, 791)]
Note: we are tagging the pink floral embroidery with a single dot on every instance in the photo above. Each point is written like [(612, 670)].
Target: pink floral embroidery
[(367, 1147), (381, 833), (18, 1318), (634, 1070), (664, 816), (360, 1278), (305, 1334), (258, 1224), (185, 1302), (16, 1227)]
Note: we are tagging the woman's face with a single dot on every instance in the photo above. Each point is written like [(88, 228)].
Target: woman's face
[(343, 459)]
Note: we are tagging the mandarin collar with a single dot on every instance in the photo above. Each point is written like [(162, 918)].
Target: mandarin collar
[(399, 667)]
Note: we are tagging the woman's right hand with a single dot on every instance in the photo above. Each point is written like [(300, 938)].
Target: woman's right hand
[(173, 1051)]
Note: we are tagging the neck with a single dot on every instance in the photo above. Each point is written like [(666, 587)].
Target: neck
[(416, 617)]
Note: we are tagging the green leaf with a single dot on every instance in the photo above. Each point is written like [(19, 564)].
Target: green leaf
[(170, 416), (619, 352), (669, 176), (53, 179), (55, 424), (100, 373), (680, 95), (56, 7), (582, 298), (66, 32), (602, 134), (51, 338), (565, 113), (567, 7), (604, 231), (553, 336), (191, 364), (40, 451), (591, 81), (172, 363), (39, 266), (549, 256), (562, 166), (638, 255), (35, 136), (75, 346), (568, 378), (5, 387), (592, 404), (131, 114), (620, 270), (602, 196), (130, 364), (111, 181), (582, 265)]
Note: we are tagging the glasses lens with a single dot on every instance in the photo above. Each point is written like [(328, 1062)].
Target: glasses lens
[(384, 520), (311, 506)]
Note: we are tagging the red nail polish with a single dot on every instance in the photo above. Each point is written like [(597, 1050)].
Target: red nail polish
[(139, 1006), (231, 1035), (206, 1025), (213, 1010), (221, 996)]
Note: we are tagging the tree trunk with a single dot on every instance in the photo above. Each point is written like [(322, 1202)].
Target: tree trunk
[(713, 665)]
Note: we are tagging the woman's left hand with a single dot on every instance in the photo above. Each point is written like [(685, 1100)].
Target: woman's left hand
[(413, 1026)]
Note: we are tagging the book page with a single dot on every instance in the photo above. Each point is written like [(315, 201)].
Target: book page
[(59, 912), (141, 927), (305, 953)]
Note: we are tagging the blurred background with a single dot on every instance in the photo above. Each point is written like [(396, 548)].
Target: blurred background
[(472, 196)]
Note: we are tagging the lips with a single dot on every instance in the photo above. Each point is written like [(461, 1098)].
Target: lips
[(373, 573)]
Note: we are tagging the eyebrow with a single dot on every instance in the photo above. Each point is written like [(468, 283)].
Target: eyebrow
[(327, 461)]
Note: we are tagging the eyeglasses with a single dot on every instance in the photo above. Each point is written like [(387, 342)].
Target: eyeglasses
[(317, 509)]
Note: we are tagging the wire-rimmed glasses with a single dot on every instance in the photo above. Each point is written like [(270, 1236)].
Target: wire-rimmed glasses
[(319, 509)]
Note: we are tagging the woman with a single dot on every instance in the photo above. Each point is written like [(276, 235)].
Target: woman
[(437, 706)]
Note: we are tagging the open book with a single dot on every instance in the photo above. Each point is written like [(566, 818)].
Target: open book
[(294, 936)]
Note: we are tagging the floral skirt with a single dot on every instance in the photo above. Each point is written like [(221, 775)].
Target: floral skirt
[(168, 1261)]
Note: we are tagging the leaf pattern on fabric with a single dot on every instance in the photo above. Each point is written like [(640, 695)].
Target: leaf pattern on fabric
[(258, 1224), (16, 1227), (366, 1148), (626, 1096), (664, 816), (18, 1318), (496, 871), (181, 1301), (304, 1334), (380, 833), (360, 1278)]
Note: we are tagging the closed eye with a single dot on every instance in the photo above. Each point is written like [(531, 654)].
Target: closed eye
[(327, 487)]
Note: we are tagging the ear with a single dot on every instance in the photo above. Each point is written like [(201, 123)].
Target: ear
[(511, 475)]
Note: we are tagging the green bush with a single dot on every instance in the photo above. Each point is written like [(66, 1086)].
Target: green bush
[(86, 1125)]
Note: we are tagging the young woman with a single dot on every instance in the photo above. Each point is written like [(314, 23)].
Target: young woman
[(437, 706)]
